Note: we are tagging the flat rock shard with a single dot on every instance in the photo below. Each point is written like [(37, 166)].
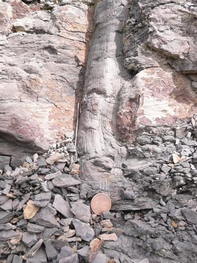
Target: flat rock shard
[(30, 210), (65, 180)]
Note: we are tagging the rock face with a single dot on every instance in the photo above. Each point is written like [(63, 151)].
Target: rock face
[(159, 45), (158, 28), (42, 57), (132, 105)]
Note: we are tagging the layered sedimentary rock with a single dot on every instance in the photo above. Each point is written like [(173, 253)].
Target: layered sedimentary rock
[(137, 133), (43, 52), (159, 47)]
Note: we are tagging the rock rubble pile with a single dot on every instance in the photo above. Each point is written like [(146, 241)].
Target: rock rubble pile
[(45, 213)]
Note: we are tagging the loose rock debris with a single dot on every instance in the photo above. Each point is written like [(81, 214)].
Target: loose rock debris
[(42, 216), (48, 214)]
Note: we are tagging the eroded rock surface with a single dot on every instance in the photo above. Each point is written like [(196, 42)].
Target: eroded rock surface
[(43, 51), (159, 45), (137, 136)]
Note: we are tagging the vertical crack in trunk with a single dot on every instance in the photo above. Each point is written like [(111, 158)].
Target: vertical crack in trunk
[(81, 82)]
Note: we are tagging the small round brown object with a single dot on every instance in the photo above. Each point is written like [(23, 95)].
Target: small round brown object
[(101, 203)]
